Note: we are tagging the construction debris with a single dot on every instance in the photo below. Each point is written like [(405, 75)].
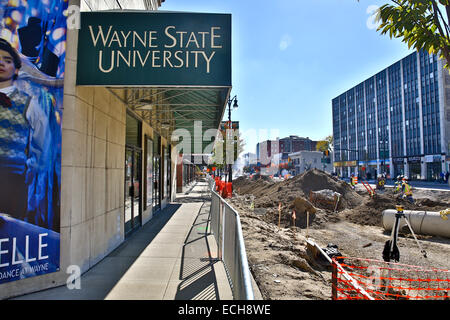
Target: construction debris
[(353, 225)]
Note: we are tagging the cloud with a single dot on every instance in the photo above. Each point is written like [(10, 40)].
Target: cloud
[(285, 42)]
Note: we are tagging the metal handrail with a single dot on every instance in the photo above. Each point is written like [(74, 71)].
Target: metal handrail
[(230, 242)]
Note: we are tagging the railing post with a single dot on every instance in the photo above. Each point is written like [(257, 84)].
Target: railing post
[(222, 236)]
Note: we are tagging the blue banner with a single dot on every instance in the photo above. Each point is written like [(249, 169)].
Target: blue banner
[(32, 64)]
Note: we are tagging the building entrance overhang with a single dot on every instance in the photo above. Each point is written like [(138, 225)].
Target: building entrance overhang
[(169, 110)]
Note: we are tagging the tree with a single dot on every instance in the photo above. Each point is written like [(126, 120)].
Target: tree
[(326, 144), (329, 139), (220, 157), (322, 145), (421, 24)]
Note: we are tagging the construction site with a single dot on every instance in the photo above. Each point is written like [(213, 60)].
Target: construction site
[(293, 228)]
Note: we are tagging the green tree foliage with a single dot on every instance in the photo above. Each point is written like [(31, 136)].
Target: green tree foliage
[(322, 145), (421, 24), (235, 145), (325, 144), (329, 139)]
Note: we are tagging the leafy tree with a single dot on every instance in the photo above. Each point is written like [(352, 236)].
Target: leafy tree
[(421, 24), (322, 145), (236, 145), (326, 144), (329, 139)]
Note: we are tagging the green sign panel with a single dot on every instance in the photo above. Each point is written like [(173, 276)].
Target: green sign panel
[(154, 49)]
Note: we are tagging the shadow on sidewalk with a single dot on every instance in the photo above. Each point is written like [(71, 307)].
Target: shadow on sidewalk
[(197, 264), (99, 280), (192, 199)]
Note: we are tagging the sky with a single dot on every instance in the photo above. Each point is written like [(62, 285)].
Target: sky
[(290, 58)]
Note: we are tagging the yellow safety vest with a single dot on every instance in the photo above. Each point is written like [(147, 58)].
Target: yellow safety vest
[(407, 191)]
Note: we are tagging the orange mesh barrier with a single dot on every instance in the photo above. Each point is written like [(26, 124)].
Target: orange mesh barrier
[(365, 279)]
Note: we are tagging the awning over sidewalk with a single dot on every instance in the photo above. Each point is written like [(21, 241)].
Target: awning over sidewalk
[(167, 109)]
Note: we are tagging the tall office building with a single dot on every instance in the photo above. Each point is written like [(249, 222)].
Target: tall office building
[(397, 121)]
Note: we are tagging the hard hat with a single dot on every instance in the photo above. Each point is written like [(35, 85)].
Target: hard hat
[(405, 178)]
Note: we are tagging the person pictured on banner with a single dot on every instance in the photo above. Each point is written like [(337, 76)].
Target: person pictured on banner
[(32, 66), (25, 139)]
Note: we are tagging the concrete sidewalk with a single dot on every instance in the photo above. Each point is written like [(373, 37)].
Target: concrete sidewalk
[(172, 257)]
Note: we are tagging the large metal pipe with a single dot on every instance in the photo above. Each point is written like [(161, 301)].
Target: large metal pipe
[(422, 222)]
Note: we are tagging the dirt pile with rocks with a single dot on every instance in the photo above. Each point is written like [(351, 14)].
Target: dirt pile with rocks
[(369, 212), (267, 196), (356, 206), (269, 193), (255, 185), (280, 262)]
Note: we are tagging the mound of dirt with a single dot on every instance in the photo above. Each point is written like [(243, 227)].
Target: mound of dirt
[(269, 193), (357, 208), (315, 180), (431, 205), (370, 211), (255, 185)]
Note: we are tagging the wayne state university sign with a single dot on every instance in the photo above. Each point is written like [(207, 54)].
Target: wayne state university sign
[(154, 49)]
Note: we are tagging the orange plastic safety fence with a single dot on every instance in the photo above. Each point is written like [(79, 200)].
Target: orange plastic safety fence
[(358, 279)]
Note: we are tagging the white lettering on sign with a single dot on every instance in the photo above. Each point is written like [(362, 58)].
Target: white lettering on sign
[(12, 257), (196, 48)]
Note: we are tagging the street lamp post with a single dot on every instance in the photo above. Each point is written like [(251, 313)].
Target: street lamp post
[(235, 105), (384, 142), (384, 155)]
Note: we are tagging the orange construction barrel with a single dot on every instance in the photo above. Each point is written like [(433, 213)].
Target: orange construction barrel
[(217, 183), (229, 189), (224, 193)]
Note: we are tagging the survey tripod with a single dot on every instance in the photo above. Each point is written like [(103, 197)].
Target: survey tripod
[(390, 248)]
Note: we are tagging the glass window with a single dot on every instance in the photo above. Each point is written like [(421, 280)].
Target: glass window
[(166, 172), (133, 132), (149, 174)]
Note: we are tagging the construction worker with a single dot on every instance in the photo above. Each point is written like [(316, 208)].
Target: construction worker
[(352, 181), (380, 182), (407, 190), (398, 184)]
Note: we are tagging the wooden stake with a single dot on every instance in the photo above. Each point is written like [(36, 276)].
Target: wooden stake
[(307, 223), (294, 217), (279, 214)]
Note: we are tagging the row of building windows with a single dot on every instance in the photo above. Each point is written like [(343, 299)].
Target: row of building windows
[(385, 105)]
